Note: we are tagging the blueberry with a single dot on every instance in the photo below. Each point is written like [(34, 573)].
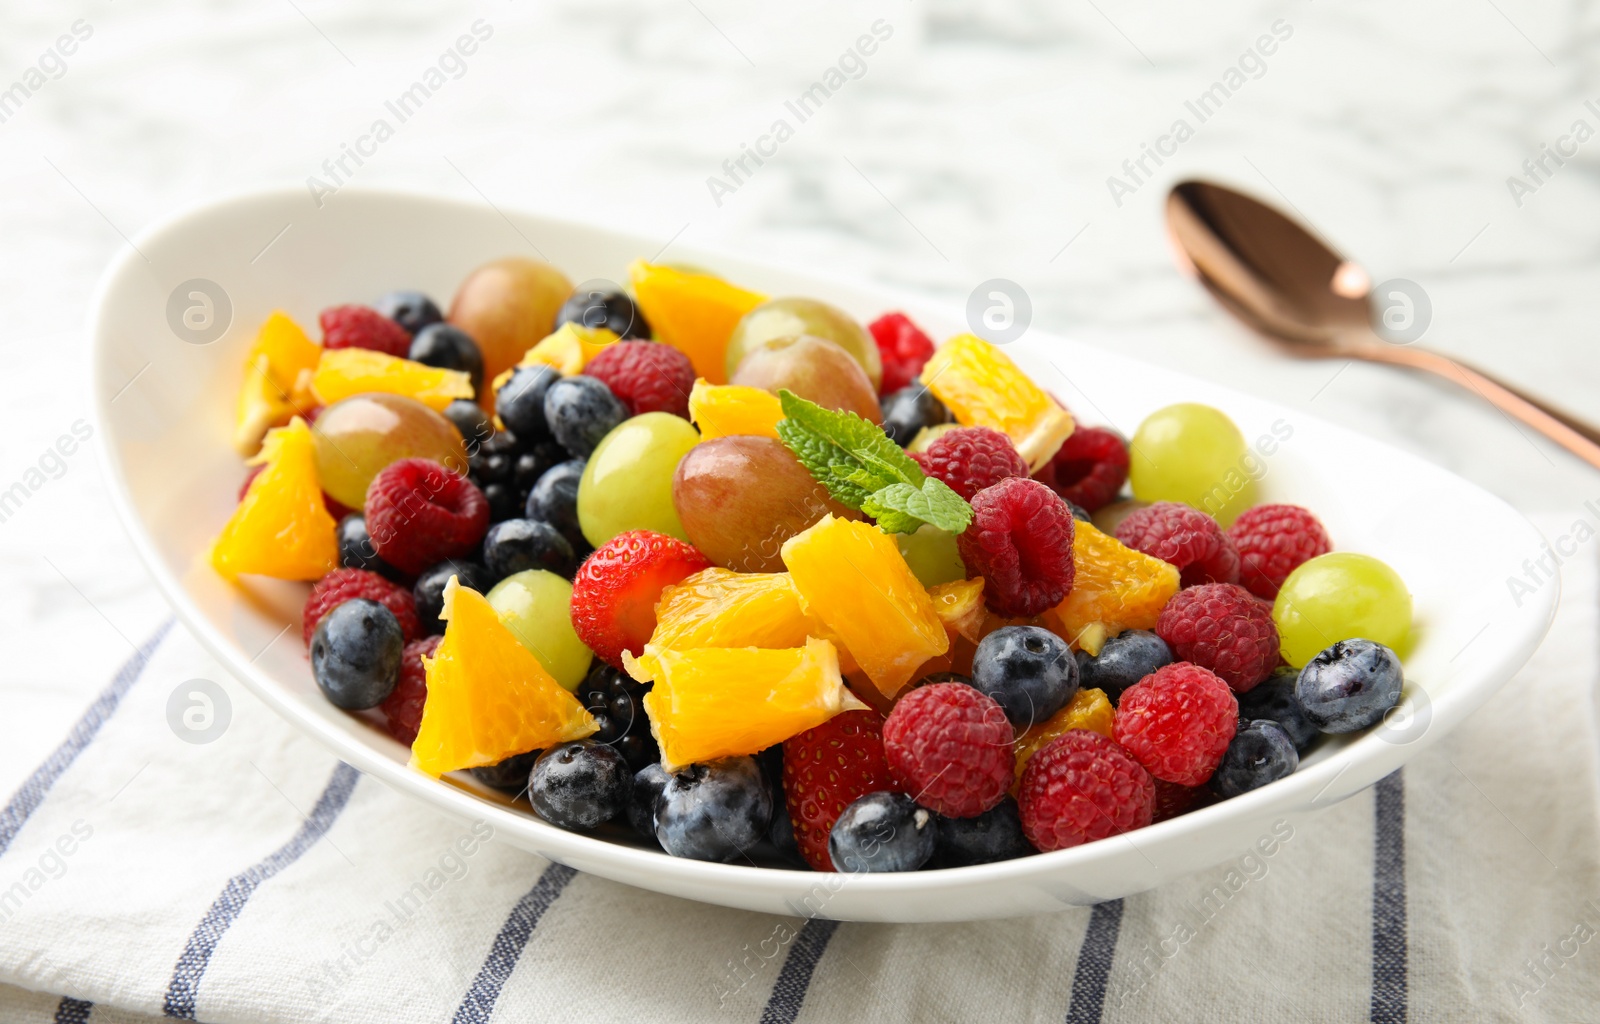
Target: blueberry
[(1123, 660), (617, 703), (594, 307), (520, 401), (579, 785), (1261, 752), (554, 500), (474, 424), (410, 309), (994, 835), (488, 465), (882, 832), (1080, 513), (517, 544), (580, 411), (907, 411), (355, 654), (1028, 669), (428, 591), (449, 348), (502, 498), (356, 550), (1349, 686), (1274, 699), (648, 783), (510, 775), (715, 810), (781, 835), (535, 463)]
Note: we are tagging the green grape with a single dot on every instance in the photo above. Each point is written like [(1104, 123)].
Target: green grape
[(1341, 596), (627, 483), (788, 318), (932, 555), (1193, 454), (813, 368), (358, 437), (536, 606)]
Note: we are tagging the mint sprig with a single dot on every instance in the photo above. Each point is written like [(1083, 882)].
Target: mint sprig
[(862, 468)]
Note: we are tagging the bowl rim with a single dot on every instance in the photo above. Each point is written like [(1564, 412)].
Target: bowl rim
[(624, 862)]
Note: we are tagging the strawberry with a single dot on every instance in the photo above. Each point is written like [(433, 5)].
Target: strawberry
[(615, 592), (828, 768)]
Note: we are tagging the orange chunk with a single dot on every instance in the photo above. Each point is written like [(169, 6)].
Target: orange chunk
[(1114, 588), (959, 606), (982, 387), (721, 701), (281, 528), (723, 409), (1088, 709), (853, 579), (353, 371), (273, 390), (694, 313), (488, 696), (570, 348), (722, 608)]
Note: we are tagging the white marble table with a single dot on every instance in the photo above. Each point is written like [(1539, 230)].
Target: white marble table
[(977, 142)]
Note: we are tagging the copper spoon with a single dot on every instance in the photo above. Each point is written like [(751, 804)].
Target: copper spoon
[(1281, 279)]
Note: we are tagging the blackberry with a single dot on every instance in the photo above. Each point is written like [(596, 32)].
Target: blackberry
[(615, 700)]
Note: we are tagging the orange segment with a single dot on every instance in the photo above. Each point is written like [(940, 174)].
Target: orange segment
[(279, 358), (722, 608), (959, 606), (723, 409), (488, 696), (719, 701), (570, 348), (1088, 709), (1114, 588), (853, 578), (353, 371), (694, 313), (982, 387), (281, 528)]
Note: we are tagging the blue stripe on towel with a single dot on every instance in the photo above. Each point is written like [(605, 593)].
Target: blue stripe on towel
[(477, 1006), (1389, 964), (191, 966), (789, 991), (73, 1011), (1095, 956), (32, 793)]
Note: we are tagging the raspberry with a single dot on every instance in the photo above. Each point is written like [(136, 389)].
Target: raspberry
[(343, 585), (1020, 542), (615, 592), (902, 347), (419, 514), (825, 770), (1177, 722), (1225, 628), (1273, 541), (1089, 469), (972, 458), (363, 327), (647, 376), (402, 709), (1082, 787), (949, 745), (1173, 799), (1184, 537)]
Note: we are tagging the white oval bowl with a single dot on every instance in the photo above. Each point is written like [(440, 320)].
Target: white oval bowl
[(173, 475)]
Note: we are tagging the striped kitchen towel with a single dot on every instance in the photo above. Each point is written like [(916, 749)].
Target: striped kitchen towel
[(257, 879)]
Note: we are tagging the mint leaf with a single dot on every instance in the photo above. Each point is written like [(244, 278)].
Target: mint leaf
[(862, 468), (901, 508)]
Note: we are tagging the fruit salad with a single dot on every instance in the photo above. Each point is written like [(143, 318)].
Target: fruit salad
[(761, 583)]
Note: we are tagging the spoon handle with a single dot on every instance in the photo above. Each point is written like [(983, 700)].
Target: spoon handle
[(1576, 436)]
